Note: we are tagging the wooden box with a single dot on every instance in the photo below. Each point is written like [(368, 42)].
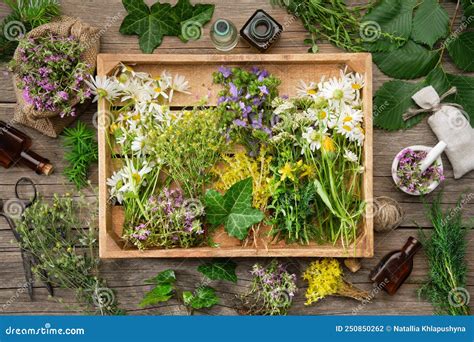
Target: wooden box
[(198, 70)]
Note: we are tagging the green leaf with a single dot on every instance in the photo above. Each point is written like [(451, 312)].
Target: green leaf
[(408, 62), (469, 15), (393, 100), (203, 297), (391, 21), (163, 291), (149, 24), (465, 89), (431, 23), (234, 209), (219, 270), (461, 50), (324, 196), (165, 277), (159, 294)]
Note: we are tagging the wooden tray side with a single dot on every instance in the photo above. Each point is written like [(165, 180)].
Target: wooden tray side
[(198, 69)]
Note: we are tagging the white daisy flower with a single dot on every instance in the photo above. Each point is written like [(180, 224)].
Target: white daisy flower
[(179, 84), (351, 117), (134, 177), (103, 87), (346, 130), (337, 91), (357, 81), (314, 137), (359, 135), (128, 70), (139, 144), (136, 92), (306, 90), (115, 182), (351, 156)]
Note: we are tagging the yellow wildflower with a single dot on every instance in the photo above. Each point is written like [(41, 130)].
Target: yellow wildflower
[(324, 279), (287, 172), (328, 144), (308, 170)]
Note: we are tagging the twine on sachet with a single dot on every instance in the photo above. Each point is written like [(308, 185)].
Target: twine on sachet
[(429, 101)]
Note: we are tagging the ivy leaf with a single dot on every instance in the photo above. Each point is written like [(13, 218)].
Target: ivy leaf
[(391, 21), (165, 277), (393, 100), (150, 24), (464, 96), (159, 294), (203, 297), (408, 62), (431, 23), (219, 270), (234, 209), (191, 18), (163, 291), (461, 50)]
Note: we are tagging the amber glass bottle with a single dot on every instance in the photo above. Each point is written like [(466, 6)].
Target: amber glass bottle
[(15, 147), (395, 267)]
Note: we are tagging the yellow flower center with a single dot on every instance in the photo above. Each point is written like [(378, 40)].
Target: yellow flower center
[(356, 86), (347, 119), (136, 177), (157, 90), (347, 128), (323, 115), (311, 91)]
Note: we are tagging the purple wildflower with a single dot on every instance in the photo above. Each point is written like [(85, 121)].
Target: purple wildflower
[(226, 72), (63, 95)]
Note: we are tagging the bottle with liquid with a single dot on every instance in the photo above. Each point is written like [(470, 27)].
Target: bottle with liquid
[(15, 147), (395, 267), (224, 35), (261, 31)]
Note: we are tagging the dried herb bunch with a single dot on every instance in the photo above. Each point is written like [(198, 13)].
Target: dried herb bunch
[(63, 237), (446, 253)]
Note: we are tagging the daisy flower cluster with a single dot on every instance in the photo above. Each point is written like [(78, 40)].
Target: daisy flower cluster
[(139, 124), (319, 134), (51, 74), (336, 108)]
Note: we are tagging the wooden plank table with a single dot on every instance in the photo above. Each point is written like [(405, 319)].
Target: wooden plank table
[(127, 276)]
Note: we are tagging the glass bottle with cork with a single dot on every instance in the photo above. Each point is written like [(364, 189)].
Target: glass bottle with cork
[(394, 268), (15, 147)]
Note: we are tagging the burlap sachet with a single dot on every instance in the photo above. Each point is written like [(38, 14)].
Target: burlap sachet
[(50, 123), (450, 124)]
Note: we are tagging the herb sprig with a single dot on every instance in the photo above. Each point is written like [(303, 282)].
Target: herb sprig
[(81, 152), (25, 15), (446, 253)]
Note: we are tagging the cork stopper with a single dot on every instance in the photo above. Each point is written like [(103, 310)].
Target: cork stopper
[(47, 169)]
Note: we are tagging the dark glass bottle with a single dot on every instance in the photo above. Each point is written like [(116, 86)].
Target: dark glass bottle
[(15, 147), (395, 267), (261, 31)]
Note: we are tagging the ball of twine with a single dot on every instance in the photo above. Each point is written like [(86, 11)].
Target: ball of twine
[(387, 215)]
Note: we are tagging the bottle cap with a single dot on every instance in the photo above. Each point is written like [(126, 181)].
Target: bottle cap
[(221, 27)]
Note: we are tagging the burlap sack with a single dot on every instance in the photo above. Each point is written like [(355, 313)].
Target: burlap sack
[(50, 123)]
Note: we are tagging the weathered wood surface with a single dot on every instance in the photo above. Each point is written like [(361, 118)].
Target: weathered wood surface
[(126, 276)]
